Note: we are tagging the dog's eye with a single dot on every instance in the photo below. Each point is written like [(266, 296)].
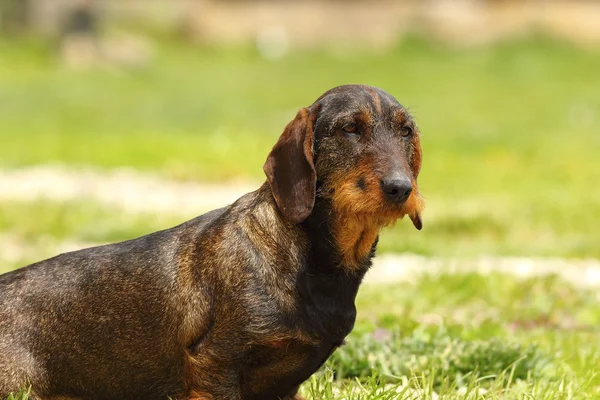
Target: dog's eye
[(351, 129), (406, 131)]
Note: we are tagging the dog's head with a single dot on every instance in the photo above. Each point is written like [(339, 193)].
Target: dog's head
[(357, 146)]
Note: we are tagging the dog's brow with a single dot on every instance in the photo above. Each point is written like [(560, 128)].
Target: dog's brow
[(400, 115), (366, 115), (346, 115)]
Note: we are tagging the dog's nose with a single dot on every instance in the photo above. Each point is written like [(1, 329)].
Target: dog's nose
[(397, 187)]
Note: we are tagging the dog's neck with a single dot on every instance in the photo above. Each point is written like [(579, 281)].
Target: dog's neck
[(348, 242), (339, 242), (309, 251)]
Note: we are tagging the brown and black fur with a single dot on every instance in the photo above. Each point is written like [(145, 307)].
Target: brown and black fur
[(244, 302)]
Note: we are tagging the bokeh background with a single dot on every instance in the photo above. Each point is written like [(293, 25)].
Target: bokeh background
[(121, 117), (506, 94)]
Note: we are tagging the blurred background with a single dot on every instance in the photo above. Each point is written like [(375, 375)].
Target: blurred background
[(123, 117), (120, 117)]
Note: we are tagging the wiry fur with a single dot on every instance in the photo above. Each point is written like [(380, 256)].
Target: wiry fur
[(241, 303)]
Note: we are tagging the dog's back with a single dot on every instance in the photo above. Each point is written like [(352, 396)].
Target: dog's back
[(96, 308)]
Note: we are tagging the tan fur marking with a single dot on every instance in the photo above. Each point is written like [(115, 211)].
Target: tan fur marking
[(355, 237), (360, 214)]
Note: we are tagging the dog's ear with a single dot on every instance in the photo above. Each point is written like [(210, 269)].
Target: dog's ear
[(290, 168)]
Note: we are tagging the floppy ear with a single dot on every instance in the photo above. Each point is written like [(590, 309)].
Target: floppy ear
[(290, 169)]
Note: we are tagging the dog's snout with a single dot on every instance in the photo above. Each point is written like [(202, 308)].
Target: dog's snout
[(396, 187)]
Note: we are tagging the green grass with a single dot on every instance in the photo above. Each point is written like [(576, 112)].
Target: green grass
[(453, 336), (510, 167), (509, 131), (23, 394), (84, 221)]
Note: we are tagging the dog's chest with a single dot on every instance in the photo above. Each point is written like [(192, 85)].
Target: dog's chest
[(275, 370), (293, 342), (282, 361)]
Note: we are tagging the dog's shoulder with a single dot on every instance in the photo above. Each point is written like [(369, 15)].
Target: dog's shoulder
[(199, 224)]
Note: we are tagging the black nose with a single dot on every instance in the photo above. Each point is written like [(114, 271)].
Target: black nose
[(397, 187)]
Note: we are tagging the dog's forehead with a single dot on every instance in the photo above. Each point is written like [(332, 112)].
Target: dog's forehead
[(349, 98)]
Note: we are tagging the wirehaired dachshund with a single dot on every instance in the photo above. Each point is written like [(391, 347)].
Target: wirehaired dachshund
[(242, 303)]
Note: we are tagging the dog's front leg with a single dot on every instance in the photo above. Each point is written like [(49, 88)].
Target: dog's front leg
[(216, 385)]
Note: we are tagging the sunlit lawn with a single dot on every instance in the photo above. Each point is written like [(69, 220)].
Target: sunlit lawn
[(510, 139)]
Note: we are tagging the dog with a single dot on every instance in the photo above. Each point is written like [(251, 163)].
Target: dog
[(242, 303)]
